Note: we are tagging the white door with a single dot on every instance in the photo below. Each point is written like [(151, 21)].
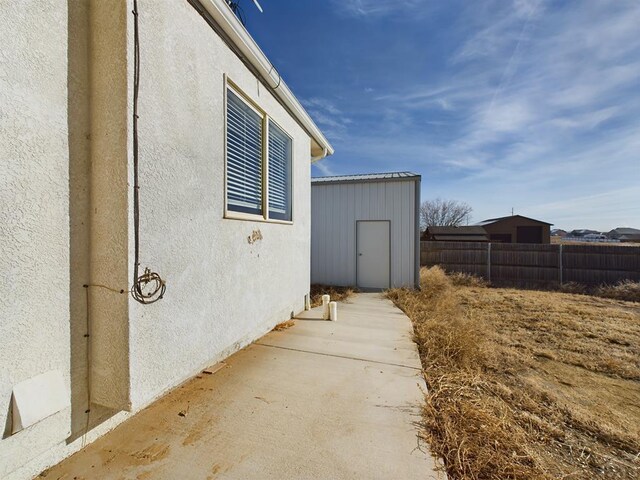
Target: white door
[(373, 254)]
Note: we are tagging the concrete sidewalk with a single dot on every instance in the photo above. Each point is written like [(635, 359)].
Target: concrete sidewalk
[(320, 400)]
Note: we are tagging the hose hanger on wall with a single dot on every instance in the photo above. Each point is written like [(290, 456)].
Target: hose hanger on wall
[(148, 287)]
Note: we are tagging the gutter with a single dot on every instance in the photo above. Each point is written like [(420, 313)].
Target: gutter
[(229, 23), (321, 156)]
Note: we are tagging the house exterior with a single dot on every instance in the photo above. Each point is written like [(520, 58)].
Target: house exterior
[(630, 238), (455, 234), (516, 229), (365, 230), (624, 234), (582, 232), (223, 215)]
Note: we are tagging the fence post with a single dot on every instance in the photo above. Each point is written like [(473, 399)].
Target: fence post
[(489, 262), (560, 263)]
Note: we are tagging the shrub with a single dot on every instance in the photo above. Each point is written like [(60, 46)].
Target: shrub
[(623, 290)]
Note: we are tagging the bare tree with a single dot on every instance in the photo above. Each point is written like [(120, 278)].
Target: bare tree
[(443, 213)]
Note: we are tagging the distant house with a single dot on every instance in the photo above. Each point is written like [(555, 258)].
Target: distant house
[(595, 237), (581, 232), (455, 234), (624, 234), (516, 229), (558, 232)]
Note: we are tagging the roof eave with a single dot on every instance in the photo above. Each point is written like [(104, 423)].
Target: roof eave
[(224, 16), (366, 178), (489, 221)]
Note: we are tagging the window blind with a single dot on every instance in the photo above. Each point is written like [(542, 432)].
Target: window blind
[(279, 173), (244, 156)]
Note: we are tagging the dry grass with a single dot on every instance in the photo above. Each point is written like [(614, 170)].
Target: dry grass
[(624, 290), (574, 287), (337, 294), (527, 384), (467, 280), (561, 240)]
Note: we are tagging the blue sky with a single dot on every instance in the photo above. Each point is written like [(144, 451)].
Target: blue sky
[(526, 104)]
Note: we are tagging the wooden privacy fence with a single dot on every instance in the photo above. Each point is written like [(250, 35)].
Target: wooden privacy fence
[(522, 263)]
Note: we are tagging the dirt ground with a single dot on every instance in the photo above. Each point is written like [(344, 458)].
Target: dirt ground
[(527, 384)]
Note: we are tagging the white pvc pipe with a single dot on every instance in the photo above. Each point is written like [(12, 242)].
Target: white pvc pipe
[(333, 311), (325, 307), (307, 302)]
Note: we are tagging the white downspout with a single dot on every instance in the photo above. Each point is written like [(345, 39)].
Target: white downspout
[(319, 157)]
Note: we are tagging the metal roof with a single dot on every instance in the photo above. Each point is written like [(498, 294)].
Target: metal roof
[(367, 177), (460, 238), (489, 221), (463, 230), (625, 231)]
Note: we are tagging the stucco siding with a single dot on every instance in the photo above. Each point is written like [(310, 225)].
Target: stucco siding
[(221, 289), (66, 214), (335, 209), (34, 219)]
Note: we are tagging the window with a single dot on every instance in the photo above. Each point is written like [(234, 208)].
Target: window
[(244, 157), (279, 173), (250, 154)]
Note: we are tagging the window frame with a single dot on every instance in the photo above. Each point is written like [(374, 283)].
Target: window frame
[(266, 119), (270, 121)]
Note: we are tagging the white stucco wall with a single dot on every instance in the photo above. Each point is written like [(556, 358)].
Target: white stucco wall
[(34, 220), (222, 291), (67, 164)]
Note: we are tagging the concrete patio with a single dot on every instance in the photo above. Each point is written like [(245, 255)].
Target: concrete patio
[(319, 400)]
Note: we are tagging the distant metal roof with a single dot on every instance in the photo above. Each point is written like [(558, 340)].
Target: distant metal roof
[(625, 231), (489, 221), (460, 238), (463, 230), (367, 177)]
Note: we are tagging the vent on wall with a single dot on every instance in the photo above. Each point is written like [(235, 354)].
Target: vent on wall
[(37, 398)]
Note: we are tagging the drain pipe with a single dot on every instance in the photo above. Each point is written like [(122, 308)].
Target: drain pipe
[(333, 311), (319, 157), (325, 307)]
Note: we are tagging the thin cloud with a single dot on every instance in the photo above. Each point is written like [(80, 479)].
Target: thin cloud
[(329, 117), (378, 8), (498, 103), (538, 97), (322, 104), (325, 169)]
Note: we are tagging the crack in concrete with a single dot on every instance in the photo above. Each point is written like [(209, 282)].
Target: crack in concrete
[(340, 356)]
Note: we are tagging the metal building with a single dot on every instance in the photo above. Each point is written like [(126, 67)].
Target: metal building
[(365, 230), (517, 229)]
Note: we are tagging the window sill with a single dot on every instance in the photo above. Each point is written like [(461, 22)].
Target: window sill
[(230, 215)]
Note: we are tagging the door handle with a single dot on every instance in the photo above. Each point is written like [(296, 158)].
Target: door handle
[(359, 254)]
